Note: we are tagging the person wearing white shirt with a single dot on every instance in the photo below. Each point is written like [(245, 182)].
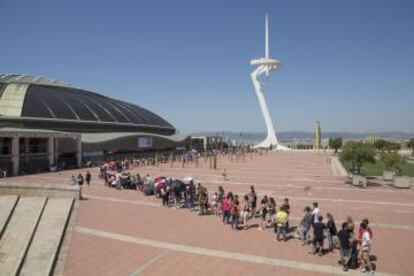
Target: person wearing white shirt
[(316, 212), (366, 249)]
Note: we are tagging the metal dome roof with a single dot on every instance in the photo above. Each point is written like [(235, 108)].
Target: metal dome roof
[(40, 102)]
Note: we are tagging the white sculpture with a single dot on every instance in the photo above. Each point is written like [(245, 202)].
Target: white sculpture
[(266, 66)]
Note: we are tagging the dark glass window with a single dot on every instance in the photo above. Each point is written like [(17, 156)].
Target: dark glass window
[(32, 145), (5, 146), (38, 145)]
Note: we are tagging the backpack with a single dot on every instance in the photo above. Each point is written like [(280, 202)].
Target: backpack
[(353, 261)]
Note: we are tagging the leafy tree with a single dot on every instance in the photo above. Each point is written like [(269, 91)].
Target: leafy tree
[(383, 145), (410, 144), (335, 143), (380, 144), (392, 160), (357, 153), (393, 146)]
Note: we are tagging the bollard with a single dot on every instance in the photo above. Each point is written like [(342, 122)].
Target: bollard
[(215, 162)]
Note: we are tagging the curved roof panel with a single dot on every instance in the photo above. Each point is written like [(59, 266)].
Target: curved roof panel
[(38, 100)]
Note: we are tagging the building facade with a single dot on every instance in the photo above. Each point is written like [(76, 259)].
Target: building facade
[(46, 123)]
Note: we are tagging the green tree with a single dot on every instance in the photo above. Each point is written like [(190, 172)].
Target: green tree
[(335, 143), (392, 160), (357, 153), (383, 145), (380, 144), (410, 144)]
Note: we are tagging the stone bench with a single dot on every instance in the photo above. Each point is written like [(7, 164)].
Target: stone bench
[(359, 180), (402, 182), (388, 175)]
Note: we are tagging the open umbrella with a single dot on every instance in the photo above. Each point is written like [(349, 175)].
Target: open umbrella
[(188, 179), (178, 186)]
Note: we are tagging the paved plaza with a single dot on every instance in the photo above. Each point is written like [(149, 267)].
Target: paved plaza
[(123, 232)]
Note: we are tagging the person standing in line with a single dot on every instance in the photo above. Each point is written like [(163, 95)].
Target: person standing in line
[(272, 212), (332, 232), (316, 212), (221, 195), (235, 212), (165, 196), (286, 207), (226, 209), (252, 197), (88, 177), (280, 220), (344, 245), (366, 250), (318, 236), (305, 225), (361, 230), (264, 204), (246, 211)]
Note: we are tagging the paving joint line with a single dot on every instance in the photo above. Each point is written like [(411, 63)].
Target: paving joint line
[(148, 263), (295, 265)]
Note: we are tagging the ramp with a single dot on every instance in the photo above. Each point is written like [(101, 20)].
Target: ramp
[(46, 242), (18, 234), (7, 204)]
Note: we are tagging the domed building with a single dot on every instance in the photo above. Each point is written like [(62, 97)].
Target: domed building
[(44, 122)]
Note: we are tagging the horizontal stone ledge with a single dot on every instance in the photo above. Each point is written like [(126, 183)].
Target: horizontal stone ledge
[(36, 189)]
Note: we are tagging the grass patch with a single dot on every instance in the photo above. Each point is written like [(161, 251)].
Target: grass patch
[(376, 169)]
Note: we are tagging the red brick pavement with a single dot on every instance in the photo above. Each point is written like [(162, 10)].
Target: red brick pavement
[(277, 174)]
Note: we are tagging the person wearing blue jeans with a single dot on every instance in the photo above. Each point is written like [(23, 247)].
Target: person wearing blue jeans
[(305, 225), (331, 231)]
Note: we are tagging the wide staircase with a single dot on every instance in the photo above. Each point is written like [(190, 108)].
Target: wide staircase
[(31, 233)]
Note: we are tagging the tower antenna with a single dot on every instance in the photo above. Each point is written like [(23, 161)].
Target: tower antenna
[(266, 37)]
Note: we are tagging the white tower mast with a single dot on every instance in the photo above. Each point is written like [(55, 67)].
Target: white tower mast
[(265, 65)]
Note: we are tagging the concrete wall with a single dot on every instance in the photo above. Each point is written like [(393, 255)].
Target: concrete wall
[(50, 190)]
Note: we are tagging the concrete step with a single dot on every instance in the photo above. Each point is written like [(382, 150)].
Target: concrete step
[(18, 234), (7, 204), (46, 242)]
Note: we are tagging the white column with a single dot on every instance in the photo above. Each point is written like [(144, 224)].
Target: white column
[(56, 151), (79, 152), (15, 155), (51, 150)]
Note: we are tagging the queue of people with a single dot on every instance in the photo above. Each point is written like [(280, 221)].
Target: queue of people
[(313, 230), (321, 234)]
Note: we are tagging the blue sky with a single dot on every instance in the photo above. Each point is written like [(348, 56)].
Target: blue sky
[(347, 63)]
